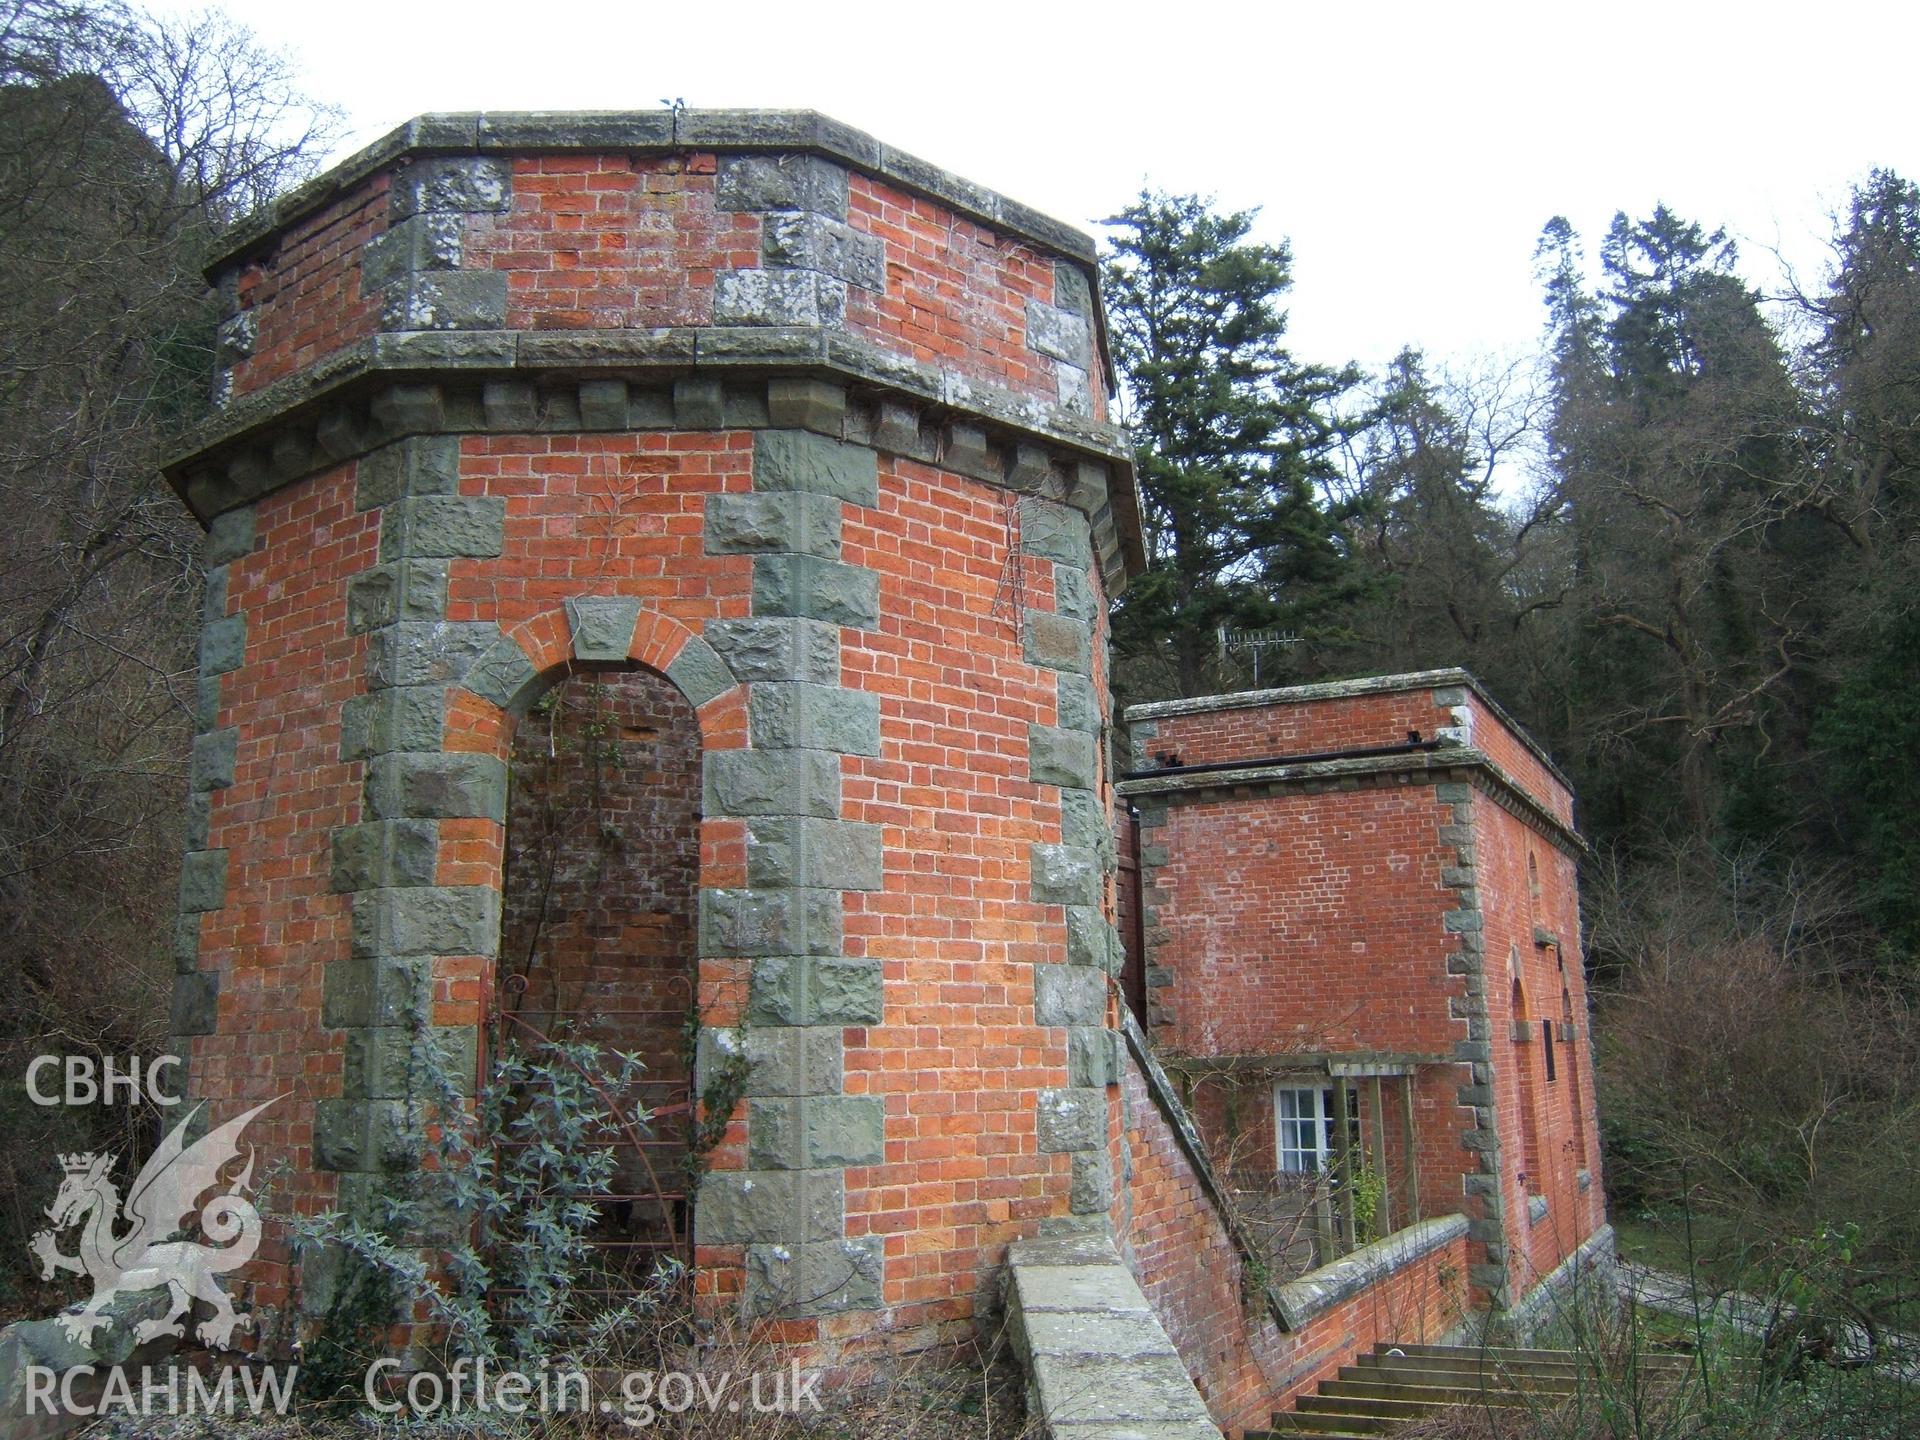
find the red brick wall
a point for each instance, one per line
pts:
(307, 296)
(956, 291)
(604, 514)
(613, 241)
(957, 1055)
(1294, 921)
(1566, 1141)
(1303, 922)
(282, 922)
(1257, 732)
(595, 241)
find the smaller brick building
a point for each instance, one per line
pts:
(1359, 938)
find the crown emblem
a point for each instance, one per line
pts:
(78, 1163)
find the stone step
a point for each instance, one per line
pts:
(1397, 1385)
(1307, 1422)
(1472, 1363)
(1474, 1380)
(1511, 1354)
(1427, 1394)
(1371, 1406)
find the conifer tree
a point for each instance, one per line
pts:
(1234, 440)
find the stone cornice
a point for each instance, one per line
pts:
(1447, 678)
(426, 382)
(1453, 762)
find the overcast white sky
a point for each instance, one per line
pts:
(1410, 152)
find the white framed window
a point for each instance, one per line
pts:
(1303, 1126)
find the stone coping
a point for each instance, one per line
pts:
(656, 132)
(1302, 1300)
(1433, 767)
(1595, 1258)
(1099, 1364)
(1344, 689)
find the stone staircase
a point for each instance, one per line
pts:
(1398, 1384)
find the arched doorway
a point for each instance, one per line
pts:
(599, 926)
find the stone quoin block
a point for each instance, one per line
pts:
(420, 242)
(377, 990)
(814, 717)
(775, 1206)
(1069, 995)
(230, 536)
(811, 241)
(1062, 334)
(1065, 875)
(446, 787)
(1056, 531)
(455, 184)
(430, 920)
(773, 524)
(403, 590)
(422, 465)
(195, 1003)
(447, 300)
(820, 1279)
(778, 649)
(784, 182)
(814, 1132)
(815, 990)
(385, 853)
(1058, 642)
(1092, 1188)
(223, 645)
(779, 297)
(203, 881)
(800, 460)
(436, 653)
(770, 922)
(772, 782)
(433, 526)
(828, 854)
(781, 1060)
(805, 586)
(1074, 1118)
(407, 717)
(1084, 823)
(214, 756)
(1061, 757)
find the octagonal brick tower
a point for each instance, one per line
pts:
(815, 431)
